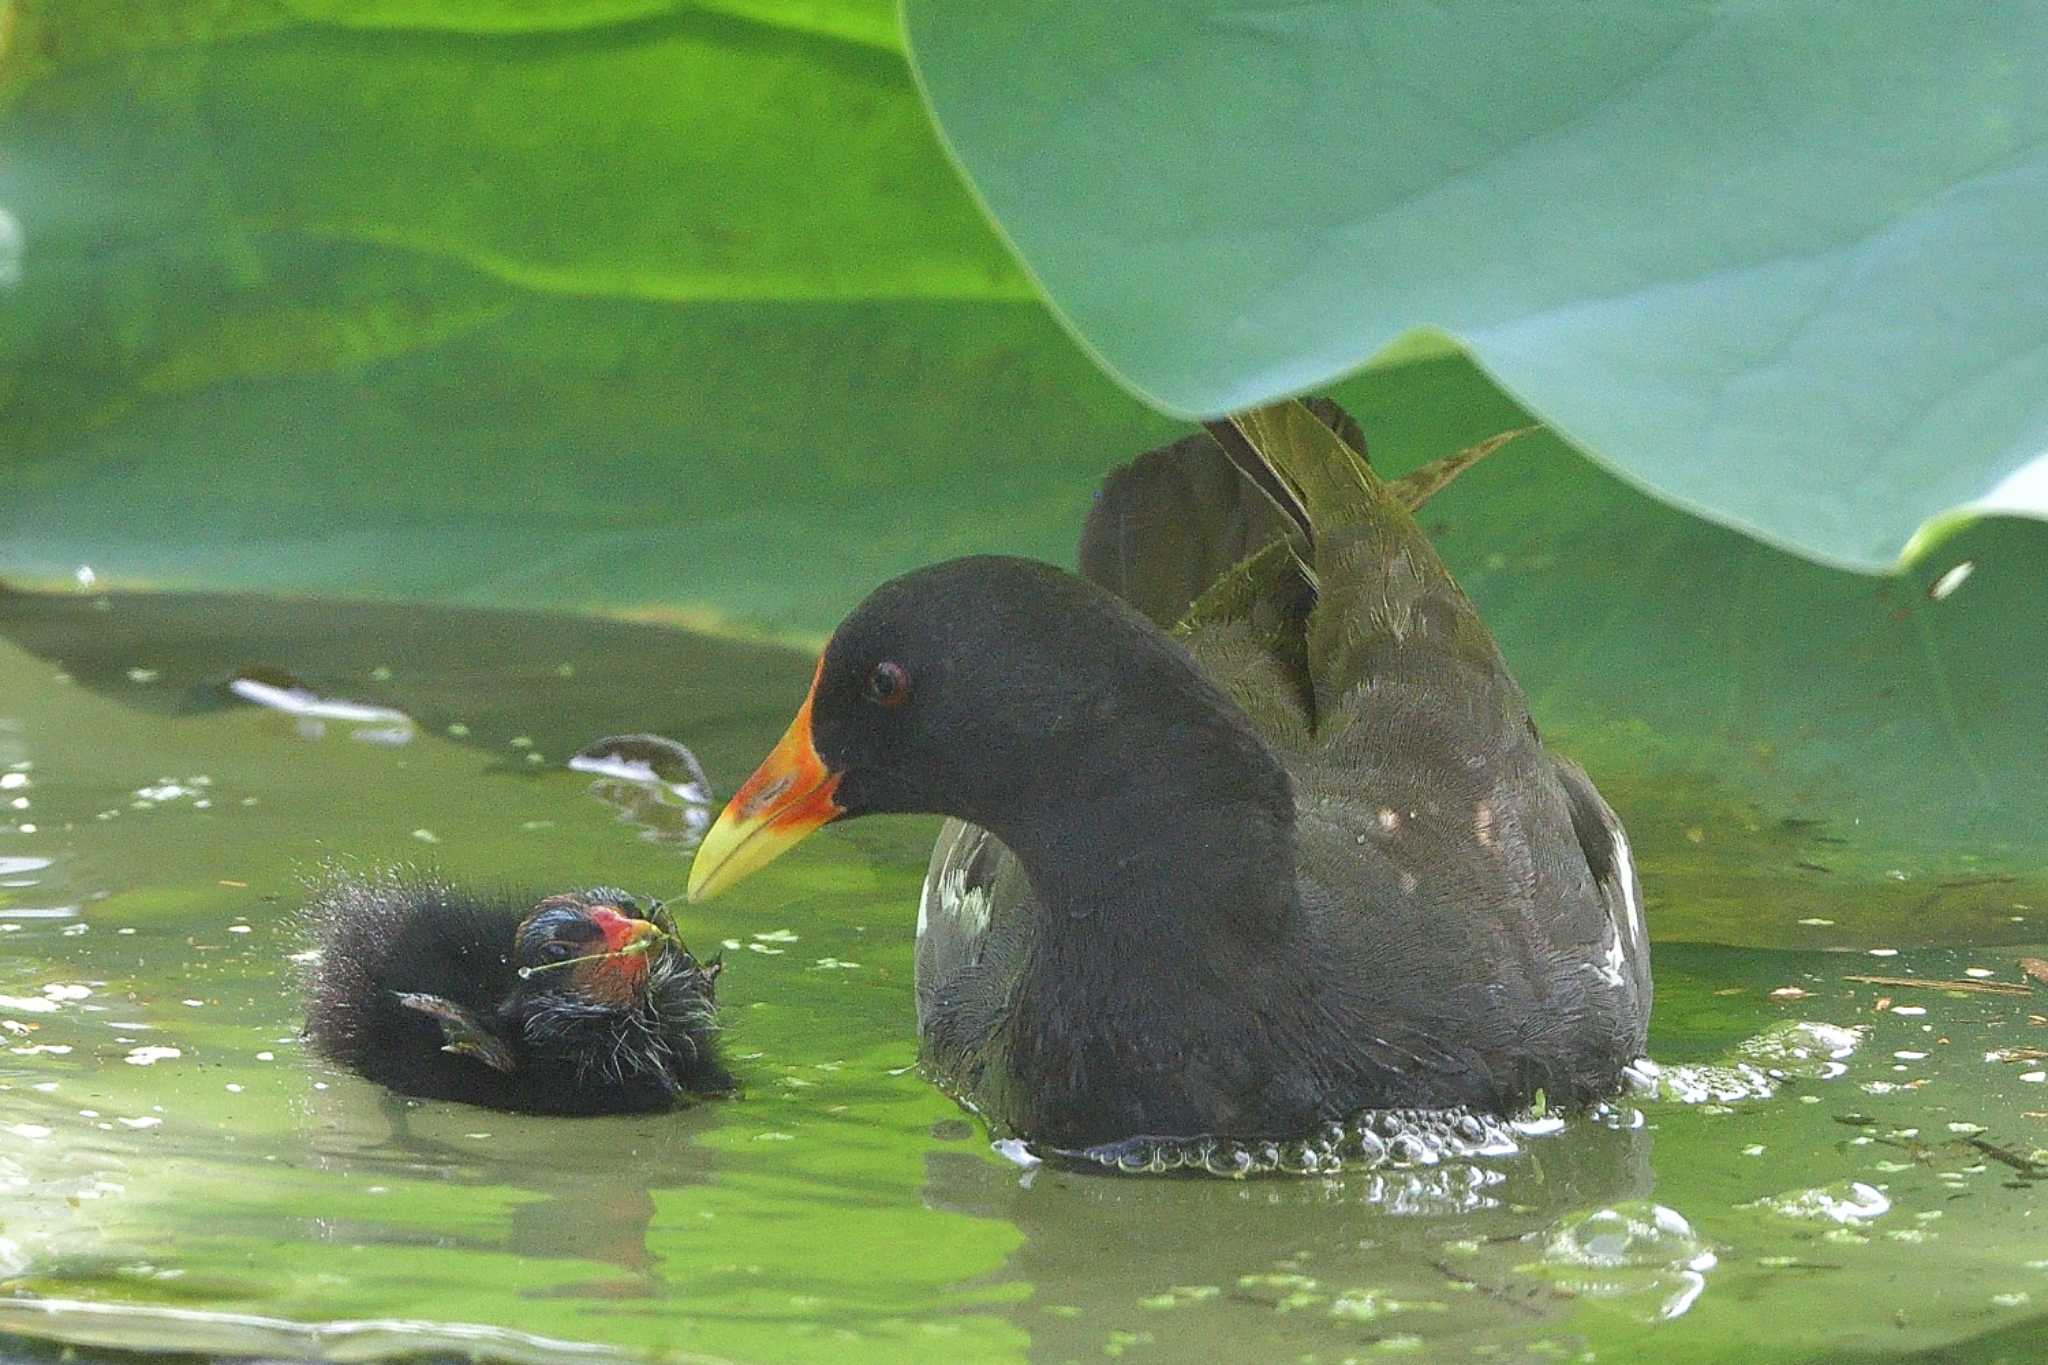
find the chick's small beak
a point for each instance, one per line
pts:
(623, 934)
(788, 796)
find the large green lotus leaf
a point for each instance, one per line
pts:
(1780, 264)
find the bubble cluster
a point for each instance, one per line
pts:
(1370, 1140)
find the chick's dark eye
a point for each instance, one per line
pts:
(888, 684)
(557, 951)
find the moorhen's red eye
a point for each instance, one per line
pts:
(888, 685)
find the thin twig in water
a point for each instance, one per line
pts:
(1494, 1292)
(1980, 987)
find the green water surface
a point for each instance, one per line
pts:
(176, 1172)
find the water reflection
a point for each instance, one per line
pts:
(482, 678)
(573, 1190)
(1270, 1268)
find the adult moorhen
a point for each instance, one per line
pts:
(1250, 834)
(583, 1003)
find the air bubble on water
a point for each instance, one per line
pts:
(1422, 1153)
(1637, 1254)
(652, 782)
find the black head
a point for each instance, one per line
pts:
(596, 945)
(1001, 691)
(606, 986)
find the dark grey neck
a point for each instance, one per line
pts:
(1192, 833)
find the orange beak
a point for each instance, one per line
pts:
(788, 796)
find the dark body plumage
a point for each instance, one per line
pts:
(1354, 879)
(417, 987)
(1251, 832)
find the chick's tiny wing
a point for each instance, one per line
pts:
(467, 1035)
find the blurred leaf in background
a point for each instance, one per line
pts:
(677, 310)
(1782, 264)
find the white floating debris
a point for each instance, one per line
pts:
(1543, 1127)
(1910, 1056)
(142, 675)
(1817, 923)
(150, 1056)
(1979, 972)
(1884, 952)
(13, 781)
(2034, 1077)
(1910, 1011)
(146, 1121)
(1843, 1203)
(1950, 581)
(776, 936)
(1014, 1151)
(29, 1004)
(297, 701)
(34, 1132)
(389, 735)
(426, 836)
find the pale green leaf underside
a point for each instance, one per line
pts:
(1782, 265)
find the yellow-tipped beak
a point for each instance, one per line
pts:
(788, 796)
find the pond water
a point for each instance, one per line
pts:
(177, 1173)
